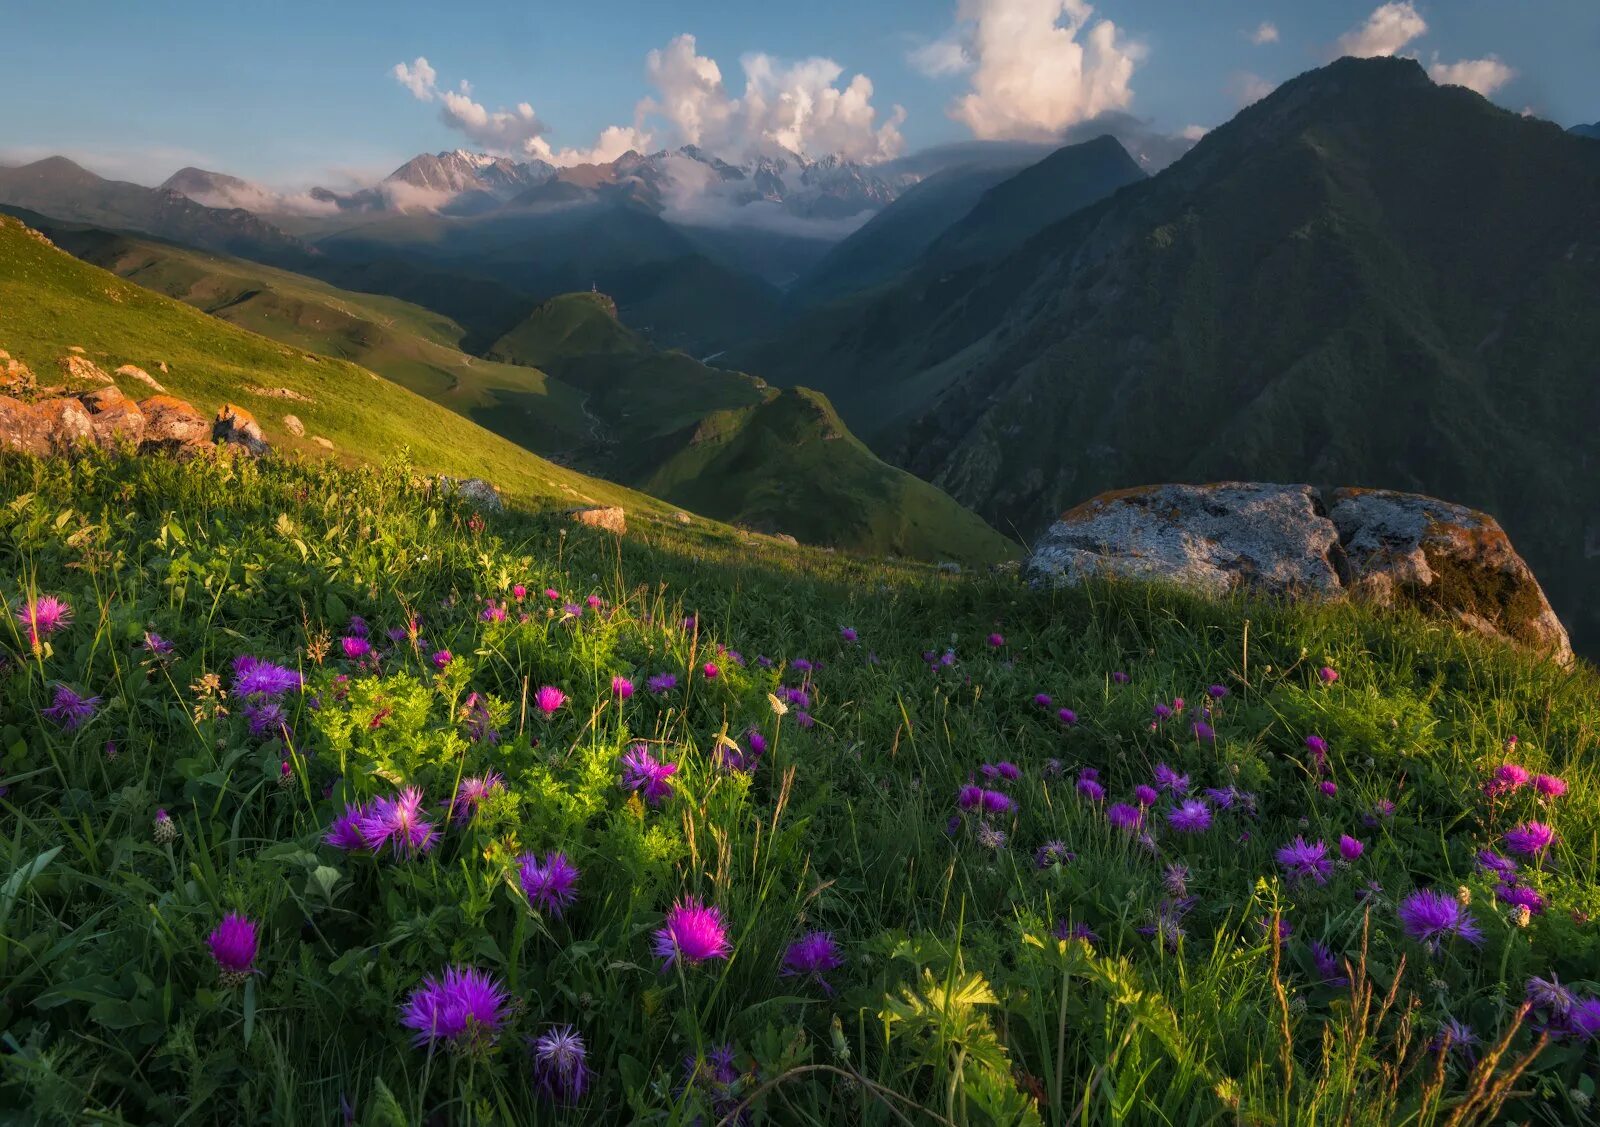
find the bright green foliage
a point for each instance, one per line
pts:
(955, 1002)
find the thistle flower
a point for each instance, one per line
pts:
(1508, 777)
(1549, 786)
(165, 830)
(265, 717)
(811, 956)
(1042, 700)
(1525, 898)
(355, 647)
(1217, 692)
(1190, 817)
(1203, 732)
(642, 771)
(1005, 769)
(560, 1064)
(1303, 860)
(398, 821)
(155, 645)
(44, 616)
(1430, 917)
(1169, 780)
(996, 802)
(1145, 795)
(441, 658)
(997, 640)
(1124, 817)
(474, 789)
(345, 832)
(1318, 747)
(1052, 853)
(1067, 716)
(69, 710)
(1459, 1037)
(1503, 867)
(1328, 787)
(1349, 848)
(1530, 839)
(990, 836)
(1120, 678)
(493, 612)
(1327, 965)
(710, 671)
(549, 700)
(551, 884)
(254, 677)
(662, 683)
(847, 634)
(1090, 788)
(621, 687)
(465, 1009)
(233, 946)
(692, 933)
(1327, 675)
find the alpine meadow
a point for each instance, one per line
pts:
(1013, 563)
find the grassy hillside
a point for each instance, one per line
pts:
(1013, 959)
(725, 444)
(50, 301)
(412, 346)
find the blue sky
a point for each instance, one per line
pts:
(294, 92)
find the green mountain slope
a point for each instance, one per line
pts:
(1363, 279)
(914, 330)
(1020, 206)
(50, 301)
(725, 444)
(412, 346)
(891, 241)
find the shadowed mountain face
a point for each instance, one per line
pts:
(1592, 131)
(1363, 278)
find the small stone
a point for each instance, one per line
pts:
(234, 426)
(681, 518)
(294, 426)
(610, 518)
(475, 491)
(144, 377)
(76, 367)
(322, 442)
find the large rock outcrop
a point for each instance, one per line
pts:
(1295, 541)
(107, 418)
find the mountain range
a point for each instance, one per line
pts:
(1364, 277)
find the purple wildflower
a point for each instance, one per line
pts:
(549, 700)
(811, 956)
(1124, 817)
(997, 640)
(1145, 795)
(1503, 867)
(1190, 817)
(1090, 788)
(44, 616)
(474, 789)
(1550, 786)
(551, 884)
(1067, 716)
(345, 832)
(1217, 692)
(1349, 848)
(1327, 675)
(1168, 779)
(1328, 966)
(252, 676)
(155, 645)
(233, 945)
(70, 710)
(441, 658)
(398, 821)
(621, 687)
(1516, 897)
(560, 1064)
(692, 933)
(1430, 917)
(662, 683)
(1530, 839)
(265, 717)
(847, 634)
(1303, 860)
(1119, 677)
(1508, 777)
(1067, 932)
(355, 647)
(465, 1009)
(1042, 700)
(643, 771)
(1052, 853)
(1204, 732)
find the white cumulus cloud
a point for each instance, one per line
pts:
(1036, 67)
(1266, 32)
(1484, 75)
(800, 106)
(1387, 31)
(417, 77)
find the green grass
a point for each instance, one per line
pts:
(954, 1002)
